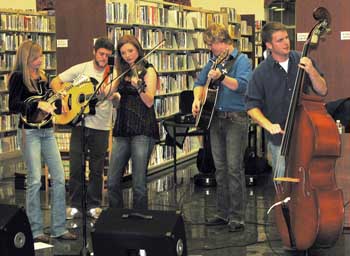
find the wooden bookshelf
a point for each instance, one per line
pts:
(247, 40)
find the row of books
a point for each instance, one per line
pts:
(156, 14)
(174, 40)
(233, 17)
(166, 106)
(117, 12)
(10, 42)
(63, 139)
(23, 22)
(8, 122)
(3, 82)
(245, 28)
(115, 33)
(169, 61)
(7, 192)
(173, 83)
(8, 144)
(7, 61)
(8, 168)
(246, 45)
(4, 99)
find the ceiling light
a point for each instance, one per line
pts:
(279, 9)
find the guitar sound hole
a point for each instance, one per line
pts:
(81, 98)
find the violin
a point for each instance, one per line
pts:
(139, 71)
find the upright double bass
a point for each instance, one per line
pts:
(310, 207)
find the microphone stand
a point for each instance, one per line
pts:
(84, 250)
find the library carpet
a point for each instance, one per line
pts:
(259, 238)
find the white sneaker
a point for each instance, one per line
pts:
(72, 213)
(95, 212)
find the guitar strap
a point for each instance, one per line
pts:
(228, 65)
(230, 62)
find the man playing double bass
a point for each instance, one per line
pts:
(270, 89)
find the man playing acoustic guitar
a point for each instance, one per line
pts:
(229, 124)
(97, 129)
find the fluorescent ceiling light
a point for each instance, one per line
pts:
(279, 9)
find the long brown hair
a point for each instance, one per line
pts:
(27, 52)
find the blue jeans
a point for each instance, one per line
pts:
(96, 145)
(276, 160)
(139, 148)
(37, 144)
(228, 137)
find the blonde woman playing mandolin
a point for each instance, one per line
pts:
(27, 79)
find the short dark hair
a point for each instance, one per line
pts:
(103, 42)
(270, 28)
(217, 33)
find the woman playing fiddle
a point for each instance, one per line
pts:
(135, 130)
(26, 80)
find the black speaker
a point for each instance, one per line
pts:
(124, 232)
(16, 237)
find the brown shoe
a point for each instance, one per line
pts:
(68, 236)
(42, 238)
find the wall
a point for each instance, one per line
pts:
(332, 53)
(18, 4)
(242, 6)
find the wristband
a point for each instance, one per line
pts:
(221, 78)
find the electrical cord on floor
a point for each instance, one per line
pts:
(227, 246)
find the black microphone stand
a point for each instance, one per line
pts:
(81, 117)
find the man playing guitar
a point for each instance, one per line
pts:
(97, 129)
(228, 129)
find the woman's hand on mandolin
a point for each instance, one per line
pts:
(46, 107)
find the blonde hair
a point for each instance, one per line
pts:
(217, 33)
(27, 52)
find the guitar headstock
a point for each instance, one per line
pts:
(221, 57)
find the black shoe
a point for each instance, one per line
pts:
(215, 221)
(235, 227)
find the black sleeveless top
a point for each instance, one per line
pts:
(133, 116)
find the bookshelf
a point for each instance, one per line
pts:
(247, 40)
(15, 27)
(259, 47)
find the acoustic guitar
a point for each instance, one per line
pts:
(77, 97)
(210, 94)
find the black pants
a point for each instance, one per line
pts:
(96, 144)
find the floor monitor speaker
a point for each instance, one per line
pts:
(16, 237)
(125, 232)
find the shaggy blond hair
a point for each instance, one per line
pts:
(27, 52)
